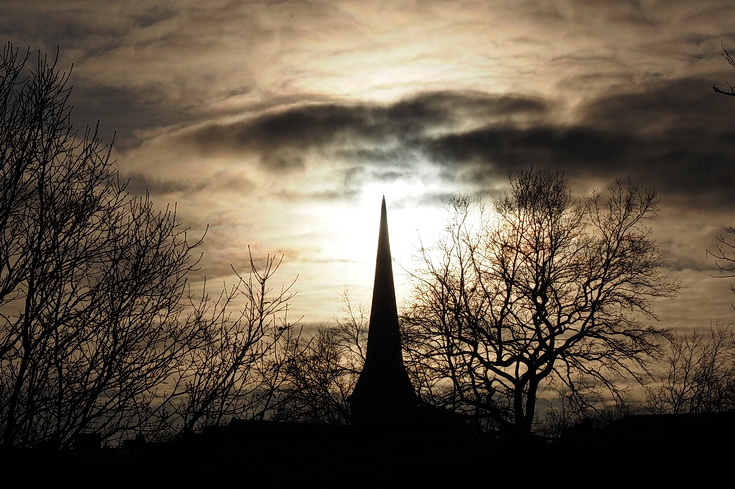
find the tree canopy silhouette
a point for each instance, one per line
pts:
(546, 288)
(99, 330)
(91, 276)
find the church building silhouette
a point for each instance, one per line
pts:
(383, 397)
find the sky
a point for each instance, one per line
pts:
(281, 124)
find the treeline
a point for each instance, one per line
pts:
(526, 318)
(100, 329)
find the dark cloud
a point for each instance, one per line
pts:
(282, 139)
(685, 166)
(675, 136)
(361, 132)
(688, 103)
(445, 108)
(681, 137)
(508, 147)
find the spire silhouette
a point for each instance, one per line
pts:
(383, 395)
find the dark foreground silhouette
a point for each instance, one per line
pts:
(395, 442)
(636, 449)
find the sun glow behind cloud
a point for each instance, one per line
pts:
(411, 222)
(282, 124)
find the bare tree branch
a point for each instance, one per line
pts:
(728, 57)
(547, 288)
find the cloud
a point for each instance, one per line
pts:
(262, 118)
(323, 151)
(326, 126)
(683, 137)
(674, 136)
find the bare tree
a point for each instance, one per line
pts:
(231, 373)
(697, 374)
(99, 329)
(322, 369)
(546, 287)
(91, 278)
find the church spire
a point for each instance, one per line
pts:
(383, 394)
